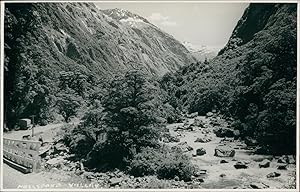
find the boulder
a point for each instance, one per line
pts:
(209, 114)
(55, 161)
(224, 132)
(240, 165)
(192, 115)
(201, 151)
(165, 140)
(183, 146)
(250, 141)
(198, 123)
(58, 147)
(223, 175)
(227, 140)
(200, 173)
(282, 159)
(224, 151)
(115, 181)
(291, 159)
(236, 134)
(223, 161)
(264, 164)
(258, 186)
(215, 122)
(202, 140)
(273, 174)
(282, 167)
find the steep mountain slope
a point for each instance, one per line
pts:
(42, 40)
(253, 79)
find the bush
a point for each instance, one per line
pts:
(74, 137)
(163, 162)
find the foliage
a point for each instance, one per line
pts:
(27, 80)
(68, 103)
(254, 82)
(131, 119)
(163, 162)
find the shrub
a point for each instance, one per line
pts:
(74, 137)
(163, 162)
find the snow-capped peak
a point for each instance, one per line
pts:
(125, 16)
(201, 52)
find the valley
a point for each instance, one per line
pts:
(115, 102)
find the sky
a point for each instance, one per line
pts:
(209, 24)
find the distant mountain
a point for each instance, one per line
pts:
(201, 52)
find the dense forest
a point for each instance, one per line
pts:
(252, 82)
(253, 79)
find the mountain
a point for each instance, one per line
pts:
(47, 43)
(201, 52)
(252, 80)
(103, 41)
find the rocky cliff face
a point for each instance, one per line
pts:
(79, 34)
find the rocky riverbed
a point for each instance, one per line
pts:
(223, 161)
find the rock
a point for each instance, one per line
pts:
(198, 123)
(222, 175)
(55, 161)
(209, 114)
(291, 159)
(264, 164)
(224, 132)
(201, 151)
(273, 174)
(202, 140)
(47, 157)
(282, 160)
(240, 165)
(214, 122)
(183, 146)
(58, 147)
(115, 181)
(192, 115)
(227, 139)
(258, 186)
(250, 142)
(201, 180)
(200, 173)
(236, 134)
(88, 175)
(224, 151)
(190, 128)
(282, 167)
(223, 161)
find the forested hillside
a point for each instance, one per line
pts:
(252, 80)
(59, 52)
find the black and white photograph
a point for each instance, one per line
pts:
(140, 95)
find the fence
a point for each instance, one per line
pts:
(22, 154)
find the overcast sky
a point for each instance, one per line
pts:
(209, 24)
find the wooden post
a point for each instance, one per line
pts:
(32, 129)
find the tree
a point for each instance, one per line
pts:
(68, 103)
(131, 118)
